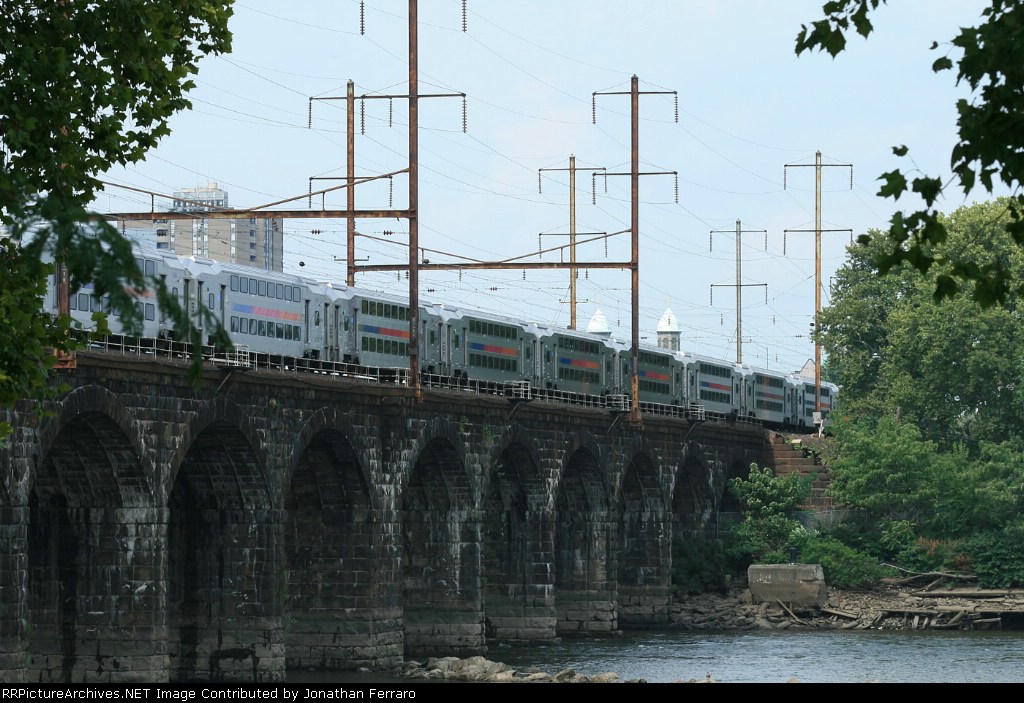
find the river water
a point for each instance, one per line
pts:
(863, 656)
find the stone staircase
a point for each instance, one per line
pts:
(802, 454)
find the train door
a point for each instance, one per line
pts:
(444, 359)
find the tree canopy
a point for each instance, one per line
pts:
(989, 58)
(84, 86)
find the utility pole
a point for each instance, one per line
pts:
(817, 259)
(634, 263)
(739, 284)
(572, 228)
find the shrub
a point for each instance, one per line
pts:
(698, 566)
(844, 566)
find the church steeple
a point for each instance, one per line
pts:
(669, 331)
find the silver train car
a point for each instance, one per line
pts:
(294, 317)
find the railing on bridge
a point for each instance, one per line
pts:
(242, 357)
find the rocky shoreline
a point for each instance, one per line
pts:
(884, 608)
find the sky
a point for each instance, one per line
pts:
(748, 106)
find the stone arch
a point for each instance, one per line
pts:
(225, 555)
(692, 498)
(645, 547)
(441, 553)
(516, 595)
(585, 549)
(94, 540)
(333, 555)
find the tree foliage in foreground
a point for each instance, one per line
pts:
(989, 58)
(927, 445)
(84, 86)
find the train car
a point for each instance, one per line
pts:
(261, 310)
(572, 361)
(713, 383)
(380, 325)
(660, 376)
(768, 396)
(805, 399)
(489, 348)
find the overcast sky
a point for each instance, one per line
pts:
(747, 106)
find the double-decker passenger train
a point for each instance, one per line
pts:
(324, 326)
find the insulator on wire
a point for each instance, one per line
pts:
(586, 274)
(398, 275)
(605, 174)
(851, 178)
(465, 115)
(606, 247)
(391, 190)
(540, 245)
(524, 274)
(783, 243)
(310, 205)
(310, 120)
(391, 112)
(677, 187)
(676, 96)
(593, 189)
(460, 275)
(362, 117)
(362, 17)
(593, 108)
(540, 188)
(783, 178)
(463, 16)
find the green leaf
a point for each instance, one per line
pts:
(894, 184)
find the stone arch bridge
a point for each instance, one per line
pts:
(158, 530)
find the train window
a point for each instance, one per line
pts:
(345, 324)
(288, 332)
(150, 268)
(95, 304)
(74, 302)
(387, 310)
(261, 327)
(296, 332)
(316, 318)
(212, 304)
(280, 330)
(403, 313)
(234, 283)
(174, 291)
(296, 293)
(528, 353)
(234, 324)
(138, 308)
(271, 290)
(150, 311)
(262, 288)
(433, 337)
(455, 341)
(252, 286)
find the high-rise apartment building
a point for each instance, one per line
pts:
(252, 241)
